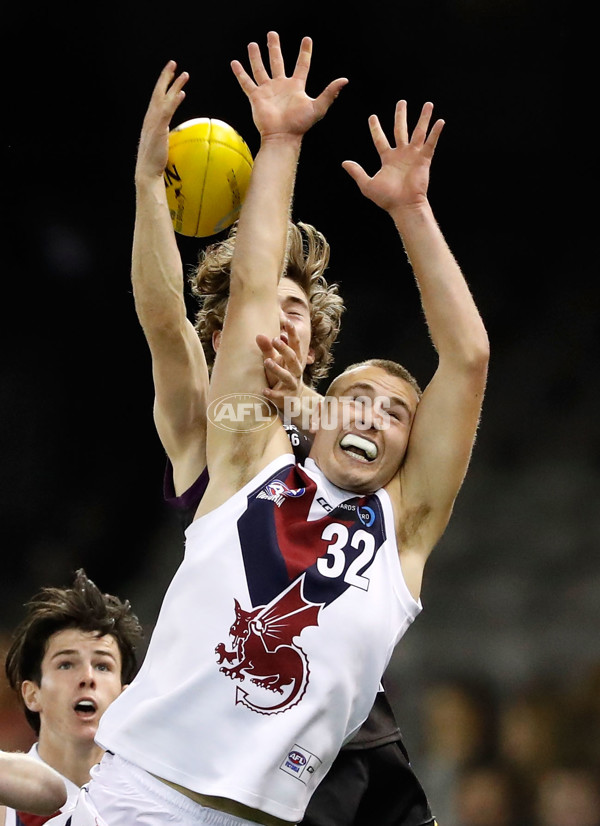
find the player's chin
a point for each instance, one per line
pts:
(358, 478)
(371, 477)
(85, 731)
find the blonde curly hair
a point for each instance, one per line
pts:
(307, 258)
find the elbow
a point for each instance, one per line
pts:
(60, 793)
(476, 349)
(58, 798)
(472, 357)
(480, 356)
(476, 366)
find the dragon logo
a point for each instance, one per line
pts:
(263, 649)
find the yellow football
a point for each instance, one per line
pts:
(207, 176)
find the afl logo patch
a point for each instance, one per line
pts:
(300, 763)
(296, 758)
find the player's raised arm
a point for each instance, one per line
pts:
(447, 416)
(178, 364)
(283, 113)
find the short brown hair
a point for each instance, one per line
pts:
(306, 261)
(80, 606)
(391, 367)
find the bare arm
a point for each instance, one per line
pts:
(447, 416)
(29, 786)
(178, 364)
(283, 113)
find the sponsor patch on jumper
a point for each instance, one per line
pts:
(300, 763)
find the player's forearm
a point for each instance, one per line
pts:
(262, 233)
(156, 270)
(29, 785)
(454, 322)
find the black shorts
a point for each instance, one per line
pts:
(369, 787)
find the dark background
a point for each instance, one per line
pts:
(513, 589)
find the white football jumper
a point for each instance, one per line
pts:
(270, 644)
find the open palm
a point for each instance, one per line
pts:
(404, 175)
(280, 103)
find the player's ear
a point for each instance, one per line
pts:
(216, 339)
(30, 693)
(310, 358)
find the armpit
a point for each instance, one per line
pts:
(411, 523)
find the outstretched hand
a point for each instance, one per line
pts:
(279, 103)
(153, 147)
(404, 175)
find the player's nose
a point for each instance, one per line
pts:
(87, 675)
(284, 324)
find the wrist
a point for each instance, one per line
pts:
(413, 213)
(146, 181)
(283, 139)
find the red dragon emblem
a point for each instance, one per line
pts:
(263, 649)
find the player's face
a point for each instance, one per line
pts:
(81, 676)
(294, 307)
(365, 448)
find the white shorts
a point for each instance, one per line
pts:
(121, 794)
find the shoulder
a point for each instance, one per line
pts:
(233, 485)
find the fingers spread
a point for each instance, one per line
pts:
(400, 126)
(304, 57)
(328, 95)
(420, 132)
(256, 64)
(289, 356)
(380, 141)
(165, 85)
(433, 137)
(243, 78)
(277, 374)
(356, 172)
(275, 56)
(166, 76)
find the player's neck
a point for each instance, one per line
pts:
(72, 759)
